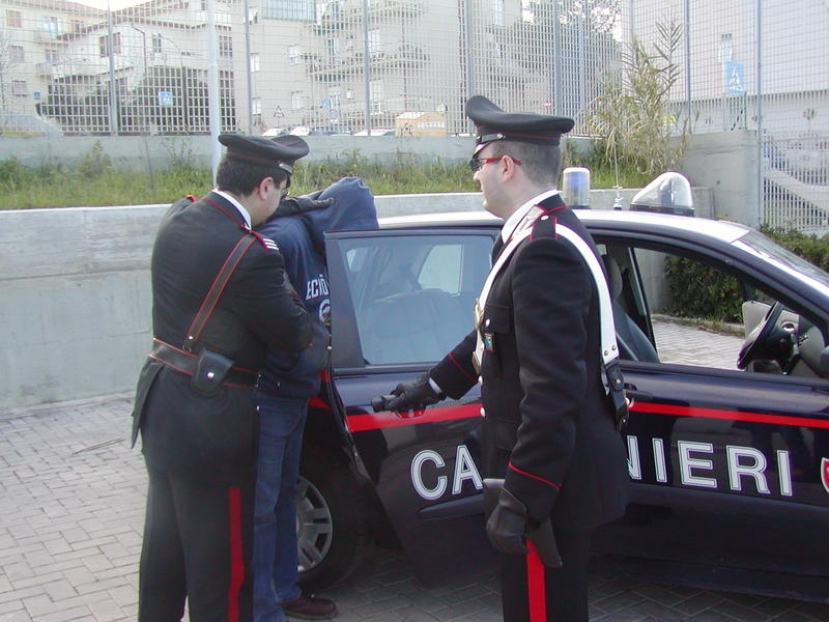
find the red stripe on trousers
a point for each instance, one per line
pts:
(536, 591)
(237, 563)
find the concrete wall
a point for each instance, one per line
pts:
(75, 302)
(727, 164)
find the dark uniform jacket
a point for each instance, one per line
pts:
(183, 427)
(549, 427)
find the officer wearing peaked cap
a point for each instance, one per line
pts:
(554, 461)
(220, 300)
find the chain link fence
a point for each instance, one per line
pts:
(405, 67)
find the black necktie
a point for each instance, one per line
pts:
(496, 248)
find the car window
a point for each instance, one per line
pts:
(659, 295)
(413, 294)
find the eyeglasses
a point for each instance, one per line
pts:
(477, 164)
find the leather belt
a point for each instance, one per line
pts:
(185, 362)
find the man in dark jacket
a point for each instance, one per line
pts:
(549, 427)
(289, 380)
(195, 405)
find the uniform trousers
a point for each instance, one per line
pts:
(562, 592)
(198, 539)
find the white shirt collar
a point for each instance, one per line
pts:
(518, 215)
(245, 214)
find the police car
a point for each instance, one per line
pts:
(729, 461)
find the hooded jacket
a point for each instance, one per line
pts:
(301, 240)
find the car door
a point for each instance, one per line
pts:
(727, 465)
(401, 299)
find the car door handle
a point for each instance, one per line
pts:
(638, 396)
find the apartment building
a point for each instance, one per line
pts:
(330, 67)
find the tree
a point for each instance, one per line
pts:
(633, 115)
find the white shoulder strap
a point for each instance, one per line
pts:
(610, 349)
(609, 346)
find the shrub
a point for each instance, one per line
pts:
(698, 291)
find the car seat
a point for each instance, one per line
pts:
(633, 343)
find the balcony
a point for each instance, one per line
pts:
(350, 12)
(82, 67)
(395, 8)
(46, 70)
(352, 63)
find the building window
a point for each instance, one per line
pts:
(254, 63)
(225, 46)
(20, 88)
(158, 46)
(289, 10)
(294, 55)
(16, 54)
(103, 47)
(726, 49)
(375, 93)
(297, 100)
(14, 19)
(50, 27)
(498, 12)
(374, 42)
(52, 57)
(77, 26)
(333, 48)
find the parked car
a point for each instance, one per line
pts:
(729, 466)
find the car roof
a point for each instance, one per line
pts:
(689, 230)
(683, 226)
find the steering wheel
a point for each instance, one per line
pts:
(757, 342)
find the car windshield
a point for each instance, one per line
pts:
(759, 245)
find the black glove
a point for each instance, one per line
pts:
(415, 394)
(289, 206)
(508, 526)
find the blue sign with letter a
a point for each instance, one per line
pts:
(733, 78)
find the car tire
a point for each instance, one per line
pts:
(331, 521)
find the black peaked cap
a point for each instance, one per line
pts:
(492, 123)
(281, 151)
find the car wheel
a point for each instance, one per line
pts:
(331, 525)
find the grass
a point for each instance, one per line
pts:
(94, 182)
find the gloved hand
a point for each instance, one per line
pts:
(414, 394)
(290, 206)
(508, 526)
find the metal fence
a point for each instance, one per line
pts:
(757, 65)
(169, 67)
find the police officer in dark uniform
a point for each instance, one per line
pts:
(549, 429)
(195, 404)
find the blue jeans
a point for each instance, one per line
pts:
(281, 423)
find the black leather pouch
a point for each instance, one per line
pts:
(210, 372)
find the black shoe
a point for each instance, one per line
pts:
(310, 607)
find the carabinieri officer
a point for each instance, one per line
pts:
(549, 427)
(219, 302)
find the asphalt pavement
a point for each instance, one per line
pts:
(72, 498)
